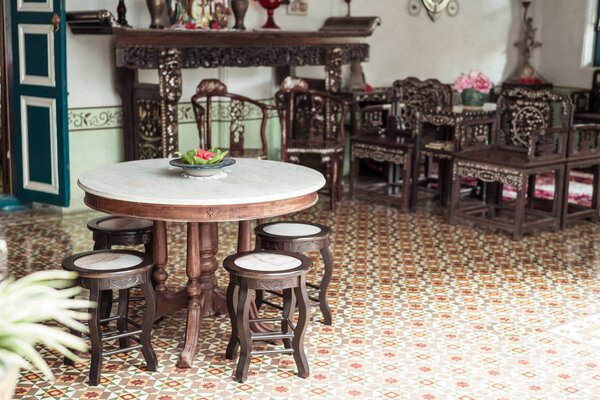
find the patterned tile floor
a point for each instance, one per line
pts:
(422, 310)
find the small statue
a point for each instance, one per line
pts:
(178, 13)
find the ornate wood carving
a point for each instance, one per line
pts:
(147, 57)
(122, 283)
(278, 284)
(379, 153)
(169, 71)
(488, 173)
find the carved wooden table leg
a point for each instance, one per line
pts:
(167, 301)
(194, 315)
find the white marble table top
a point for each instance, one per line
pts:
(156, 182)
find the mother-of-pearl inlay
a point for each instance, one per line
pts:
(268, 262)
(156, 182)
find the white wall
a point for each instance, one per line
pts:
(481, 36)
(567, 41)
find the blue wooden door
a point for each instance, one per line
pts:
(40, 137)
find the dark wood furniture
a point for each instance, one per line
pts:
(394, 141)
(587, 102)
(267, 193)
(170, 51)
(298, 237)
(453, 131)
(583, 153)
(121, 270)
(267, 270)
(111, 231)
(209, 91)
(312, 125)
(530, 138)
(358, 99)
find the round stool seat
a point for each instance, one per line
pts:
(256, 264)
(102, 262)
(293, 229)
(120, 224)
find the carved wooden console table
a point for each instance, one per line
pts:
(170, 51)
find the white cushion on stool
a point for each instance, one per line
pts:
(267, 262)
(291, 229)
(107, 261)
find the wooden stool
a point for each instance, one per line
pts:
(112, 231)
(120, 270)
(271, 270)
(298, 237)
(119, 231)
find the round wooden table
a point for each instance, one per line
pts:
(152, 189)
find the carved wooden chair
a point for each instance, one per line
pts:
(204, 106)
(583, 154)
(312, 124)
(530, 138)
(393, 141)
(587, 102)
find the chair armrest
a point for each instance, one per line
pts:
(584, 140)
(548, 143)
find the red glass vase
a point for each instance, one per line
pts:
(270, 6)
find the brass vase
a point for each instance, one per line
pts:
(239, 8)
(157, 8)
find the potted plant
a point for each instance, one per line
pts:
(24, 305)
(473, 88)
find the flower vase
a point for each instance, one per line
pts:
(473, 99)
(270, 6)
(239, 8)
(157, 8)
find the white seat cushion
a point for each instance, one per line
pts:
(291, 229)
(107, 261)
(267, 262)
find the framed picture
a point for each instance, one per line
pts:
(297, 7)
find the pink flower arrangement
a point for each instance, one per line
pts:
(475, 80)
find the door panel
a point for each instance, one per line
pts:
(40, 108)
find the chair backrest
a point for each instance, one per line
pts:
(309, 118)
(203, 102)
(412, 94)
(535, 121)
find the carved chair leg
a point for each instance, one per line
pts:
(353, 173)
(519, 211)
(244, 334)
(564, 218)
(595, 193)
(149, 314)
(323, 306)
(560, 200)
(531, 191)
(300, 330)
(406, 186)
(95, 335)
(231, 352)
(454, 197)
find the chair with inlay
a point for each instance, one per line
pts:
(273, 270)
(241, 143)
(312, 131)
(121, 270)
(298, 237)
(111, 231)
